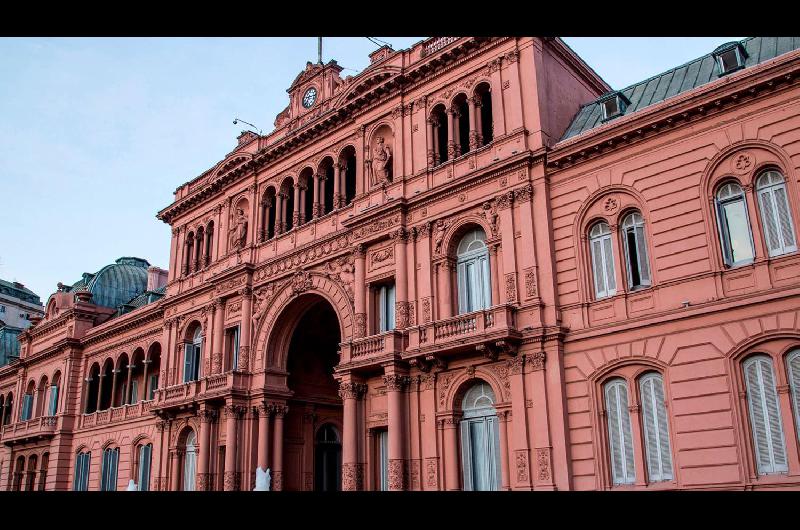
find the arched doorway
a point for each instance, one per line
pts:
(315, 409)
(480, 440)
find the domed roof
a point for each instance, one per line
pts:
(116, 284)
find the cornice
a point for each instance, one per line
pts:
(684, 109)
(116, 326)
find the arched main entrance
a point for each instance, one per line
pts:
(314, 420)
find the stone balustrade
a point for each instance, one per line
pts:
(36, 427)
(115, 414)
(496, 323)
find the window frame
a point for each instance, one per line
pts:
(385, 298)
(109, 466)
(772, 189)
(776, 469)
(629, 471)
(80, 481)
(642, 380)
(473, 275)
(602, 238)
(643, 262)
(724, 234)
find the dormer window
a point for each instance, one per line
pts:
(613, 105)
(730, 57)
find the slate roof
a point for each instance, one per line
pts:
(9, 345)
(147, 297)
(115, 284)
(691, 75)
(23, 293)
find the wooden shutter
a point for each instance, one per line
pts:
(608, 259)
(487, 283)
(597, 264)
(188, 355)
(770, 221)
(784, 218)
(466, 456)
(87, 459)
(654, 416)
(793, 361)
(53, 407)
(76, 480)
(765, 418)
(463, 302)
(641, 252)
(145, 456)
(390, 301)
(619, 433)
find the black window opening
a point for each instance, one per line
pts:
(730, 57)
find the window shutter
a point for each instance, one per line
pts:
(145, 454)
(134, 392)
(235, 348)
(764, 416)
(390, 302)
(641, 250)
(494, 453)
(608, 258)
(768, 216)
(383, 460)
(619, 430)
(654, 413)
(53, 408)
(87, 459)
(472, 285)
(599, 276)
(188, 355)
(785, 218)
(793, 360)
(466, 456)
(76, 480)
(487, 283)
(153, 385)
(663, 429)
(463, 304)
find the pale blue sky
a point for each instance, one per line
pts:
(96, 134)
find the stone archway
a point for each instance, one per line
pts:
(306, 339)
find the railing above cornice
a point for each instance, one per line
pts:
(434, 44)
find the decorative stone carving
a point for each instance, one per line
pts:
(380, 163)
(505, 201)
(742, 163)
(536, 360)
(244, 358)
(511, 287)
(350, 390)
(490, 212)
(260, 298)
(523, 194)
(301, 281)
(611, 205)
(360, 325)
(352, 477)
(396, 383)
(521, 459)
(432, 472)
(231, 481)
(531, 290)
(238, 231)
(426, 310)
(382, 255)
(543, 464)
(401, 315)
(441, 227)
(342, 270)
(396, 474)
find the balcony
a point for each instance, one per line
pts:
(37, 428)
(373, 349)
(463, 331)
(115, 414)
(212, 386)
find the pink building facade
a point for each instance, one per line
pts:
(472, 266)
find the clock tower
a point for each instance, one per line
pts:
(311, 90)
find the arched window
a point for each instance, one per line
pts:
(474, 280)
(30, 473)
(605, 280)
(8, 409)
(485, 125)
(145, 457)
(620, 440)
(209, 242)
(656, 431)
(438, 127)
(43, 471)
(2, 410)
(480, 440)
(349, 170)
(19, 474)
(765, 416)
(81, 479)
(636, 251)
(192, 356)
(328, 456)
(793, 363)
(775, 214)
(734, 225)
(26, 412)
(52, 406)
(190, 463)
(108, 469)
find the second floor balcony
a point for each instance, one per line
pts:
(115, 414)
(209, 387)
(34, 429)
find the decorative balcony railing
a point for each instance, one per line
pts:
(42, 426)
(435, 44)
(115, 414)
(495, 322)
(209, 386)
(372, 348)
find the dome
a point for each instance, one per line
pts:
(116, 284)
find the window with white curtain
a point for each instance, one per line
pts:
(385, 299)
(776, 217)
(734, 225)
(191, 357)
(620, 439)
(108, 469)
(52, 407)
(765, 415)
(474, 280)
(145, 459)
(480, 440)
(605, 281)
(190, 463)
(636, 251)
(656, 430)
(382, 441)
(81, 478)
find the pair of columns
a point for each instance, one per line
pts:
(455, 148)
(197, 253)
(276, 413)
(218, 329)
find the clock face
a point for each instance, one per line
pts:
(309, 97)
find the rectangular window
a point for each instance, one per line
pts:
(108, 471)
(382, 450)
(765, 417)
(191, 362)
(736, 231)
(620, 439)
(81, 479)
(385, 298)
(145, 458)
(232, 347)
(134, 392)
(27, 407)
(151, 392)
(52, 408)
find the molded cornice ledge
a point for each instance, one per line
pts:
(691, 106)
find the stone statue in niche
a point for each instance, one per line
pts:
(238, 232)
(381, 162)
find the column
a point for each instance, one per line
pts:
(203, 474)
(458, 148)
(114, 373)
(400, 237)
(231, 470)
(244, 331)
(430, 142)
(452, 464)
(218, 319)
(277, 448)
(473, 133)
(502, 417)
(127, 398)
(175, 478)
(280, 212)
(478, 120)
(100, 377)
(198, 250)
(263, 436)
(352, 470)
(145, 382)
(505, 212)
(451, 145)
(395, 384)
(296, 216)
(262, 233)
(360, 292)
(338, 200)
(84, 400)
(319, 194)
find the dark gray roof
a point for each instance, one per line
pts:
(9, 344)
(147, 297)
(115, 284)
(18, 290)
(685, 77)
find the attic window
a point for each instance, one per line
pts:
(730, 57)
(613, 105)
